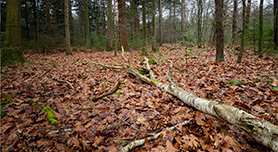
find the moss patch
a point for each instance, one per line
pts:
(50, 116)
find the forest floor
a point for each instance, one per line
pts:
(100, 125)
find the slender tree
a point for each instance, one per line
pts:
(56, 29)
(219, 31)
(122, 24)
(248, 8)
(154, 47)
(12, 33)
(71, 24)
(26, 18)
(276, 24)
(234, 41)
(183, 20)
(67, 30)
(160, 23)
(261, 26)
(48, 21)
(144, 51)
(88, 41)
(36, 19)
(136, 24)
(199, 24)
(115, 29)
(109, 26)
(242, 33)
(103, 17)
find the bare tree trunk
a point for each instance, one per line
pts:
(55, 18)
(48, 21)
(248, 8)
(183, 21)
(175, 26)
(67, 30)
(36, 23)
(154, 48)
(144, 51)
(109, 26)
(199, 26)
(103, 18)
(242, 33)
(122, 24)
(261, 26)
(235, 23)
(26, 19)
(136, 24)
(219, 31)
(71, 24)
(160, 23)
(87, 24)
(115, 29)
(276, 24)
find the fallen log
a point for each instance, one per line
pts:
(262, 131)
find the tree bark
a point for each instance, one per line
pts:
(160, 23)
(87, 24)
(219, 31)
(242, 33)
(36, 20)
(12, 33)
(276, 24)
(26, 19)
(115, 29)
(261, 26)
(183, 21)
(154, 47)
(144, 51)
(136, 24)
(122, 24)
(103, 18)
(67, 30)
(48, 21)
(109, 26)
(56, 29)
(71, 24)
(234, 41)
(199, 24)
(248, 8)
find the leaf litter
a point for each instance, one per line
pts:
(85, 125)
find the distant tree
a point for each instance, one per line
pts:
(26, 18)
(183, 20)
(109, 26)
(239, 58)
(67, 30)
(136, 24)
(276, 23)
(87, 25)
(71, 24)
(115, 29)
(154, 47)
(160, 23)
(36, 19)
(248, 8)
(103, 17)
(199, 24)
(219, 31)
(144, 51)
(56, 28)
(261, 26)
(122, 24)
(234, 41)
(11, 50)
(48, 21)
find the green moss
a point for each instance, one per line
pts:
(153, 80)
(152, 61)
(50, 116)
(118, 92)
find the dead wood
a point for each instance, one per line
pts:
(262, 131)
(108, 93)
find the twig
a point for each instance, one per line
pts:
(131, 138)
(108, 93)
(142, 141)
(263, 52)
(123, 51)
(109, 66)
(169, 74)
(127, 123)
(65, 81)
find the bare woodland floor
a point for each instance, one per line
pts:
(250, 86)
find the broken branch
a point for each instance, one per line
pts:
(108, 93)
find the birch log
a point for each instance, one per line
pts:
(262, 131)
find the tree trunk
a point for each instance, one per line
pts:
(235, 23)
(261, 26)
(12, 33)
(67, 30)
(115, 29)
(136, 24)
(71, 24)
(103, 18)
(242, 33)
(144, 51)
(154, 48)
(109, 26)
(26, 19)
(56, 29)
(174, 22)
(199, 26)
(248, 8)
(183, 21)
(219, 31)
(160, 23)
(276, 24)
(88, 40)
(48, 21)
(36, 23)
(122, 24)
